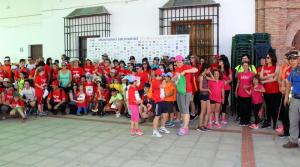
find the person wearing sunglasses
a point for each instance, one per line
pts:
(269, 78)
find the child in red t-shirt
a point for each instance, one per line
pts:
(81, 101)
(134, 100)
(18, 106)
(40, 83)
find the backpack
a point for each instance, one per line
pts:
(181, 85)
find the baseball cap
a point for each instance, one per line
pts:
(131, 78)
(6, 80)
(169, 74)
(179, 58)
(54, 83)
(7, 58)
(158, 72)
(292, 54)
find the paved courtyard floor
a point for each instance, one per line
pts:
(90, 141)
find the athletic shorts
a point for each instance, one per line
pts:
(214, 102)
(204, 97)
(168, 107)
(158, 108)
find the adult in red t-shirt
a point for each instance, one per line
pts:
(143, 78)
(269, 78)
(56, 99)
(183, 100)
(88, 67)
(76, 71)
(195, 82)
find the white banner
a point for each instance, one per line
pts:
(122, 48)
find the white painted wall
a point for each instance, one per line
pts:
(27, 22)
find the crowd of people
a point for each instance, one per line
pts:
(167, 91)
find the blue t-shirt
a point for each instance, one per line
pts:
(294, 78)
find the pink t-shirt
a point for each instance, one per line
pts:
(227, 78)
(245, 79)
(257, 97)
(216, 90)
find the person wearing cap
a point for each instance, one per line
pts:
(170, 98)
(158, 95)
(18, 106)
(3, 74)
(155, 63)
(6, 67)
(56, 99)
(134, 100)
(183, 100)
(293, 99)
(142, 78)
(115, 104)
(132, 60)
(76, 71)
(7, 97)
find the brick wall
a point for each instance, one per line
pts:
(281, 19)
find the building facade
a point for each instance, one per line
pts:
(280, 18)
(38, 27)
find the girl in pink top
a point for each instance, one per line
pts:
(216, 97)
(257, 99)
(244, 99)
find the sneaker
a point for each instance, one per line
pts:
(164, 130)
(170, 125)
(139, 132)
(206, 128)
(193, 117)
(266, 125)
(183, 132)
(253, 126)
(201, 129)
(283, 136)
(176, 121)
(218, 125)
(224, 122)
(209, 125)
(132, 132)
(118, 115)
(156, 134)
(290, 145)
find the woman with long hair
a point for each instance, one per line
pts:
(226, 74)
(269, 78)
(194, 103)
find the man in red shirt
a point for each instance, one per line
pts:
(21, 69)
(183, 100)
(56, 99)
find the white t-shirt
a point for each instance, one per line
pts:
(30, 66)
(29, 93)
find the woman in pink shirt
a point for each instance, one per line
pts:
(257, 99)
(216, 97)
(244, 99)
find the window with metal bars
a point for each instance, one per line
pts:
(201, 22)
(82, 24)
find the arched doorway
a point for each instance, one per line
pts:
(296, 41)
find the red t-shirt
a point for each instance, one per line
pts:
(257, 97)
(89, 69)
(57, 95)
(156, 90)
(104, 94)
(122, 71)
(76, 72)
(216, 90)
(227, 78)
(20, 70)
(131, 95)
(54, 74)
(40, 80)
(89, 88)
(8, 96)
(3, 75)
(47, 70)
(272, 87)
(81, 99)
(18, 103)
(245, 79)
(188, 77)
(143, 79)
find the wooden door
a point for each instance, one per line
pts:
(201, 35)
(36, 51)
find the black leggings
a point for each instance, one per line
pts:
(272, 104)
(284, 116)
(244, 109)
(226, 102)
(256, 108)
